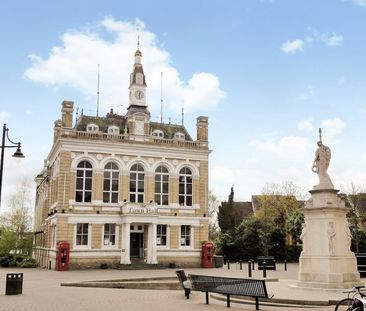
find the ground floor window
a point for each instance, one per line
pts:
(82, 231)
(161, 235)
(109, 234)
(185, 235)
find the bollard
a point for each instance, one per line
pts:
(274, 262)
(264, 269)
(241, 264)
(285, 262)
(249, 269)
(253, 268)
(228, 264)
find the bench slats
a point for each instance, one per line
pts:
(232, 286)
(229, 286)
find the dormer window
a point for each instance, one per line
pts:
(158, 133)
(93, 128)
(113, 130)
(179, 136)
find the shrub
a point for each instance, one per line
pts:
(8, 261)
(28, 262)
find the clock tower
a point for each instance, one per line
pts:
(137, 83)
(138, 116)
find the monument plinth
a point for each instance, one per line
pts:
(326, 260)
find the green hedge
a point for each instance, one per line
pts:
(20, 261)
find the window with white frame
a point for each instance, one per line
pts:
(158, 133)
(82, 231)
(161, 235)
(179, 136)
(113, 130)
(185, 187)
(161, 185)
(185, 235)
(110, 183)
(137, 183)
(84, 179)
(109, 238)
(93, 128)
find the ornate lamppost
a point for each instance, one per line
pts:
(17, 154)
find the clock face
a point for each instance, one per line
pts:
(139, 94)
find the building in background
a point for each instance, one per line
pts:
(121, 189)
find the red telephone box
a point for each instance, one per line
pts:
(63, 256)
(208, 255)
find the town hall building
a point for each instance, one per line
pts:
(121, 189)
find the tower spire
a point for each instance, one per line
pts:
(138, 38)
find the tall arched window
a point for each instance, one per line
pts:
(185, 187)
(161, 185)
(110, 183)
(137, 183)
(84, 179)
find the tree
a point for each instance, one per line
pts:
(279, 210)
(17, 221)
(213, 208)
(355, 197)
(229, 214)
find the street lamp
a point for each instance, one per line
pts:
(17, 154)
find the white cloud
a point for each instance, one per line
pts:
(333, 39)
(297, 45)
(4, 115)
(290, 172)
(359, 2)
(292, 46)
(112, 43)
(306, 125)
(284, 147)
(333, 127)
(308, 94)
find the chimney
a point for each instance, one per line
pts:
(67, 113)
(202, 128)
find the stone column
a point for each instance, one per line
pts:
(125, 249)
(154, 247)
(149, 255)
(326, 260)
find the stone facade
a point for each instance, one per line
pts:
(121, 189)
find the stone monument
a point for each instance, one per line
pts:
(326, 260)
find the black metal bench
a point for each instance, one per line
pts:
(255, 288)
(184, 282)
(270, 262)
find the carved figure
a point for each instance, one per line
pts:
(349, 239)
(321, 164)
(331, 237)
(303, 237)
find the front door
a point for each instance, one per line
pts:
(136, 245)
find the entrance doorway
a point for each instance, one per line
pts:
(136, 245)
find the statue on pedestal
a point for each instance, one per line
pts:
(321, 164)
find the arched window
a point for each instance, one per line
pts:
(84, 179)
(137, 183)
(110, 183)
(161, 185)
(185, 187)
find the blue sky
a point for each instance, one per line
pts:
(268, 73)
